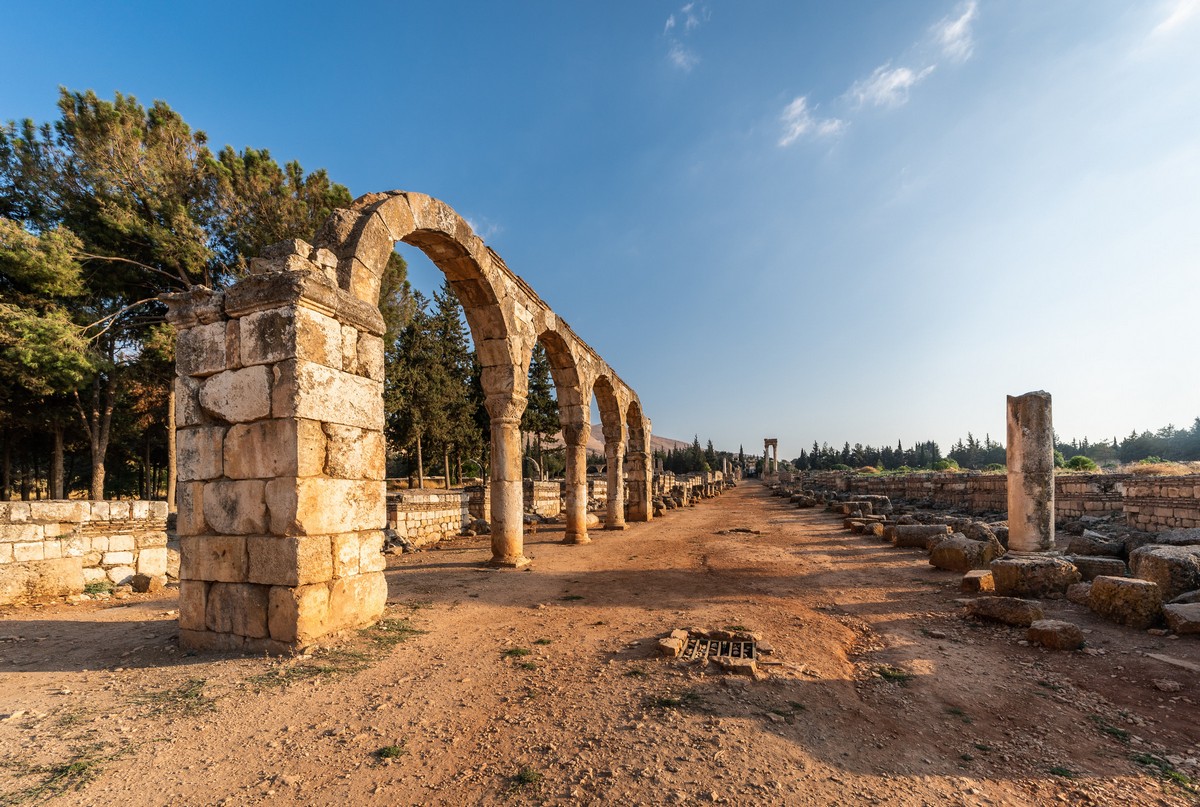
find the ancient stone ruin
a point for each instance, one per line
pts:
(280, 424)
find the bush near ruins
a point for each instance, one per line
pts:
(1081, 463)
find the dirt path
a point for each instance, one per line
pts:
(883, 694)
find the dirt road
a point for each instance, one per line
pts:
(542, 686)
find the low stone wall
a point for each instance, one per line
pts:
(1149, 503)
(1163, 502)
(543, 498)
(55, 548)
(428, 516)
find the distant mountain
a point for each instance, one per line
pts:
(596, 441)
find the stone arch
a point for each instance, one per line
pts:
(638, 468)
(279, 391)
(574, 405)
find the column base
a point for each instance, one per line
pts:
(579, 538)
(519, 562)
(621, 526)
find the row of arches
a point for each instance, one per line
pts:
(506, 319)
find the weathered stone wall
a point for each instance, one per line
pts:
(1149, 503)
(479, 501)
(428, 516)
(543, 498)
(52, 548)
(1163, 503)
(597, 492)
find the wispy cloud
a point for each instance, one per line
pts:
(798, 121)
(888, 86)
(484, 227)
(1182, 12)
(688, 18)
(954, 34)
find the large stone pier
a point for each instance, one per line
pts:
(1030, 473)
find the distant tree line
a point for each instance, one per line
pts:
(694, 459)
(1169, 444)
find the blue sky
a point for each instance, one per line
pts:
(808, 220)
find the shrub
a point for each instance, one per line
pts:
(841, 466)
(945, 465)
(995, 466)
(1081, 463)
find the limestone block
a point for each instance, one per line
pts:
(1033, 575)
(120, 575)
(356, 601)
(347, 549)
(99, 544)
(239, 608)
(200, 351)
(187, 403)
(303, 506)
(189, 498)
(349, 349)
(288, 333)
(238, 396)
(148, 584)
(6, 555)
(14, 512)
(1079, 593)
(193, 596)
(41, 579)
(289, 561)
(272, 448)
(307, 390)
(204, 641)
(121, 543)
(139, 510)
(152, 562)
(213, 557)
(958, 553)
(236, 507)
(117, 559)
(1090, 567)
(60, 510)
(157, 511)
(1055, 634)
(1009, 610)
(298, 614)
(93, 574)
(977, 581)
(918, 536)
(118, 511)
(100, 511)
(33, 550)
(151, 538)
(371, 552)
(198, 452)
(22, 532)
(52, 550)
(1183, 618)
(354, 453)
(370, 356)
(1176, 569)
(1093, 544)
(1132, 602)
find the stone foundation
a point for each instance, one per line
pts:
(427, 516)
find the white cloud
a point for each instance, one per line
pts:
(954, 36)
(887, 86)
(485, 228)
(1181, 13)
(798, 121)
(689, 16)
(681, 57)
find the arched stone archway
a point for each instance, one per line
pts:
(612, 422)
(638, 468)
(279, 390)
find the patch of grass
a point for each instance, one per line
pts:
(1066, 773)
(542, 641)
(387, 633)
(983, 747)
(528, 665)
(98, 587)
(736, 628)
(571, 597)
(598, 624)
(797, 706)
(966, 757)
(1166, 770)
(516, 652)
(954, 710)
(324, 664)
(392, 751)
(1109, 729)
(186, 699)
(526, 777)
(419, 605)
(636, 672)
(1050, 685)
(674, 702)
(894, 675)
(75, 773)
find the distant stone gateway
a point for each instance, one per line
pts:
(279, 390)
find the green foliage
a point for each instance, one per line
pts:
(945, 465)
(1081, 463)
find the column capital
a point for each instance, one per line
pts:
(505, 407)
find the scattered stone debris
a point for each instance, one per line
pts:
(1132, 602)
(1009, 610)
(1055, 634)
(735, 651)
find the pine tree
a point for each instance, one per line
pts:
(541, 410)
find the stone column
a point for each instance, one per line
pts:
(640, 478)
(576, 439)
(1030, 473)
(507, 487)
(279, 435)
(614, 452)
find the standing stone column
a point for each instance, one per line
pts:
(1030, 473)
(507, 485)
(614, 453)
(638, 472)
(576, 439)
(280, 450)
